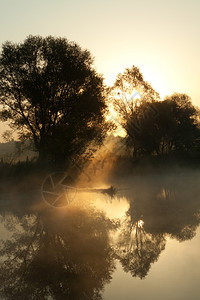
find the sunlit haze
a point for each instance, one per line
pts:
(160, 37)
(100, 179)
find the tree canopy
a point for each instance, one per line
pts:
(128, 90)
(172, 129)
(152, 126)
(52, 94)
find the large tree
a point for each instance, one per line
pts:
(52, 94)
(173, 128)
(129, 90)
(153, 126)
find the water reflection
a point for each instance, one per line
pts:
(71, 253)
(136, 249)
(159, 208)
(57, 255)
(168, 205)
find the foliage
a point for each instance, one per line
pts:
(128, 91)
(152, 126)
(172, 128)
(52, 94)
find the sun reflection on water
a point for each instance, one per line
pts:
(140, 224)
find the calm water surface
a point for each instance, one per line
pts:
(141, 243)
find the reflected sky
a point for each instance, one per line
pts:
(143, 240)
(174, 276)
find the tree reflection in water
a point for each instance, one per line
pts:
(159, 207)
(57, 255)
(137, 249)
(168, 205)
(68, 253)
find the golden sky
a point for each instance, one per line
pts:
(161, 37)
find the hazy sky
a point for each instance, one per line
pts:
(162, 38)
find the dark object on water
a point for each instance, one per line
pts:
(111, 191)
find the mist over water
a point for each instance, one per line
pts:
(78, 249)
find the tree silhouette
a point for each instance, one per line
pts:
(52, 94)
(128, 91)
(163, 127)
(57, 255)
(153, 127)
